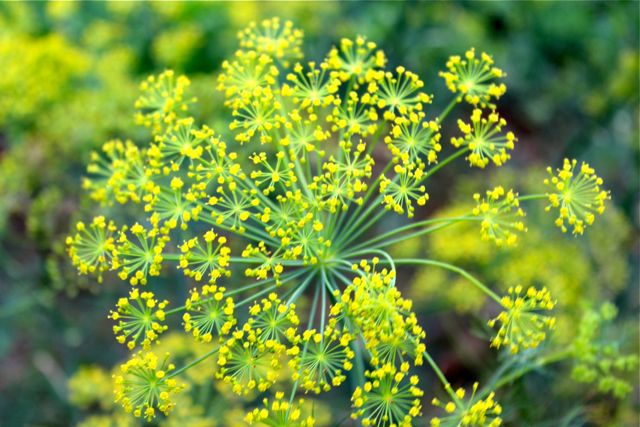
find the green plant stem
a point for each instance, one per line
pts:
(441, 377)
(361, 248)
(300, 289)
(349, 225)
(532, 197)
(323, 308)
(445, 162)
(402, 229)
(241, 260)
(447, 109)
(357, 233)
(193, 363)
(312, 314)
(452, 268)
(543, 361)
(255, 296)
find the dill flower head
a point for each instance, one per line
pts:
(576, 194)
(282, 205)
(91, 248)
(162, 100)
(398, 93)
(246, 75)
(474, 78)
(390, 397)
(355, 58)
(412, 138)
(501, 215)
(207, 257)
(247, 363)
(279, 413)
(209, 313)
(119, 175)
(484, 139)
(139, 318)
(138, 254)
(471, 413)
(144, 385)
(272, 37)
(377, 310)
(522, 324)
(325, 358)
(275, 322)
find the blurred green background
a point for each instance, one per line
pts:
(69, 73)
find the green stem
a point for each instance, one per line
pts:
(323, 308)
(241, 260)
(546, 360)
(350, 237)
(532, 197)
(389, 234)
(300, 289)
(445, 162)
(193, 363)
(447, 110)
(349, 225)
(255, 296)
(356, 250)
(454, 269)
(441, 377)
(312, 314)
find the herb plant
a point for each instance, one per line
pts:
(271, 221)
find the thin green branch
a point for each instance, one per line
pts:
(454, 269)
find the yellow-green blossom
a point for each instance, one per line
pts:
(522, 323)
(576, 194)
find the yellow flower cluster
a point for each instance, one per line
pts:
(274, 322)
(390, 398)
(139, 318)
(325, 358)
(384, 318)
(144, 383)
(473, 413)
(91, 248)
(279, 40)
(247, 363)
(473, 77)
(279, 412)
(162, 100)
(208, 259)
(522, 325)
(290, 190)
(138, 253)
(354, 58)
(120, 175)
(209, 312)
(37, 71)
(576, 194)
(501, 215)
(483, 138)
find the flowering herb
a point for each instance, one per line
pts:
(284, 207)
